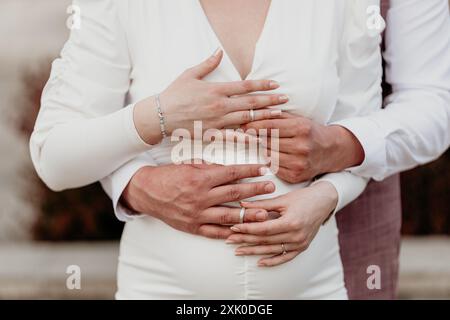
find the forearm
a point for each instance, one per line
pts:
(414, 127)
(83, 151)
(412, 130)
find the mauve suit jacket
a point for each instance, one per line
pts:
(369, 235)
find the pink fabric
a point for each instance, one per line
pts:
(369, 235)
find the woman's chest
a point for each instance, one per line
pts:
(298, 47)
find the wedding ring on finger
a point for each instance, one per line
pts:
(283, 249)
(241, 215)
(252, 115)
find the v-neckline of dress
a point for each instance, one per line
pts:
(218, 41)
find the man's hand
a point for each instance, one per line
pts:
(186, 197)
(307, 149)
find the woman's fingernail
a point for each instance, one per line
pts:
(275, 113)
(239, 253)
(284, 98)
(261, 264)
(263, 171)
(235, 229)
(229, 241)
(269, 187)
(216, 53)
(273, 85)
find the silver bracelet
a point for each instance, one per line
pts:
(162, 121)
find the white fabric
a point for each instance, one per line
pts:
(414, 128)
(322, 54)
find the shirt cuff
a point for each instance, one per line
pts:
(348, 187)
(119, 180)
(373, 141)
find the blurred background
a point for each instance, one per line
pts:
(42, 233)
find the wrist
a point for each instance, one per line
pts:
(135, 191)
(331, 197)
(346, 152)
(146, 121)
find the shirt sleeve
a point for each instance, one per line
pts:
(83, 110)
(360, 72)
(414, 126)
(116, 182)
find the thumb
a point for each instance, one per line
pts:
(209, 65)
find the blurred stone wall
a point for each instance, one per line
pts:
(31, 31)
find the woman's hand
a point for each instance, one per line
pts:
(302, 212)
(217, 105)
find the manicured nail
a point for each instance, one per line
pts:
(283, 98)
(275, 113)
(235, 229)
(216, 53)
(261, 264)
(239, 253)
(273, 85)
(263, 171)
(269, 187)
(229, 241)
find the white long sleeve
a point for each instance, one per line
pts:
(356, 60)
(83, 132)
(414, 127)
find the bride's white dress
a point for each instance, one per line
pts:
(324, 54)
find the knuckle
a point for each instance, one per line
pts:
(291, 176)
(193, 229)
(308, 150)
(216, 234)
(188, 72)
(296, 166)
(293, 225)
(234, 193)
(266, 114)
(217, 106)
(245, 117)
(233, 173)
(192, 181)
(252, 101)
(306, 129)
(247, 86)
(215, 90)
(264, 231)
(303, 165)
(298, 238)
(225, 218)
